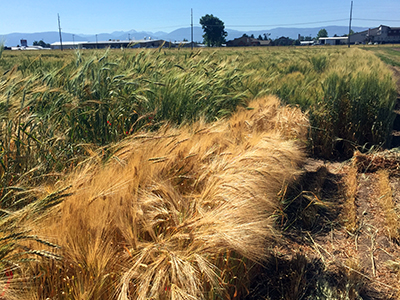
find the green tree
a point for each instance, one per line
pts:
(214, 30)
(322, 33)
(41, 43)
(351, 33)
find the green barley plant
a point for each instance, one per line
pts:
(355, 109)
(1, 48)
(319, 62)
(53, 107)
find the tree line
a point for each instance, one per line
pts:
(215, 34)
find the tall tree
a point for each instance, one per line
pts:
(322, 33)
(214, 30)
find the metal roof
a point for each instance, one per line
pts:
(334, 38)
(77, 43)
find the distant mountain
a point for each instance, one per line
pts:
(13, 39)
(183, 33)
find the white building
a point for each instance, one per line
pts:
(306, 43)
(29, 48)
(336, 40)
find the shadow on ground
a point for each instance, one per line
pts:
(313, 204)
(311, 210)
(299, 277)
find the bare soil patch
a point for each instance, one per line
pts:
(317, 258)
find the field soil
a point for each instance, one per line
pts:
(318, 257)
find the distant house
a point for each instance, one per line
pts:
(245, 41)
(382, 35)
(265, 43)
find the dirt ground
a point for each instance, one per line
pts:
(317, 257)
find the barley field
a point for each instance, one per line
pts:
(166, 173)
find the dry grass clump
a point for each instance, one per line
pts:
(268, 115)
(374, 161)
(177, 214)
(387, 204)
(350, 192)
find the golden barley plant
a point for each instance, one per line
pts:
(180, 213)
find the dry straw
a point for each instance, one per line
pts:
(176, 214)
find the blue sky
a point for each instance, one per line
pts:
(91, 17)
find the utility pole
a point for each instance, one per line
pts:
(351, 15)
(59, 30)
(192, 29)
(96, 41)
(73, 41)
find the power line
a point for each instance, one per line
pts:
(267, 25)
(275, 25)
(376, 20)
(286, 24)
(306, 23)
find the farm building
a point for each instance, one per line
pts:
(336, 40)
(306, 43)
(382, 35)
(68, 45)
(246, 41)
